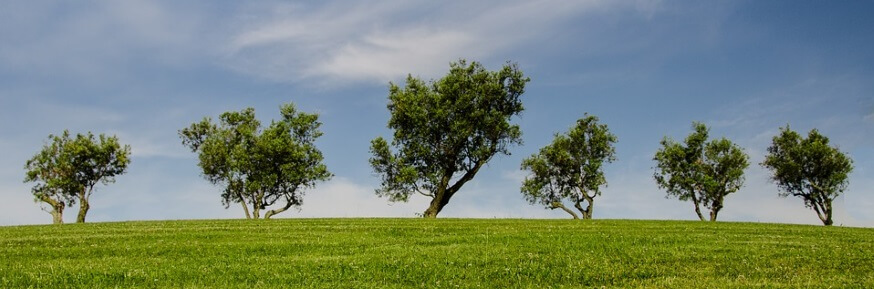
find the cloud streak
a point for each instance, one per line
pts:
(383, 41)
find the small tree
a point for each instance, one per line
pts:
(571, 168)
(701, 171)
(68, 169)
(259, 168)
(446, 130)
(808, 168)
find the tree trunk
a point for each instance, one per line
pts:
(697, 206)
(445, 191)
(257, 200)
(559, 205)
(823, 210)
(58, 214)
(440, 200)
(271, 213)
(57, 209)
(714, 209)
(584, 212)
(84, 206)
(83, 210)
(590, 204)
(441, 197)
(435, 207)
(245, 207)
(828, 213)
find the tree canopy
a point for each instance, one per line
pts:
(67, 170)
(570, 168)
(701, 171)
(259, 167)
(446, 130)
(808, 168)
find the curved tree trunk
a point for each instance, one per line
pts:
(445, 191)
(271, 213)
(57, 209)
(823, 209)
(437, 204)
(559, 205)
(827, 218)
(58, 215)
(245, 207)
(697, 206)
(440, 199)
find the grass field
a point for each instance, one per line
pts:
(442, 253)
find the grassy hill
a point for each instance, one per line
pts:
(442, 253)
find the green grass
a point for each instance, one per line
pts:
(442, 253)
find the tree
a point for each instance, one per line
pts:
(570, 168)
(446, 130)
(50, 169)
(701, 171)
(259, 167)
(808, 168)
(68, 169)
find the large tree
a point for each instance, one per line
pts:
(446, 130)
(67, 170)
(259, 167)
(570, 168)
(808, 168)
(701, 171)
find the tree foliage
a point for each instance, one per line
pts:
(808, 168)
(570, 168)
(259, 167)
(67, 170)
(701, 171)
(446, 130)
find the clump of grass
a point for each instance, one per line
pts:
(441, 253)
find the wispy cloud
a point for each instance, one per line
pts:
(385, 40)
(342, 197)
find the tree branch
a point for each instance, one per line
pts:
(424, 194)
(468, 175)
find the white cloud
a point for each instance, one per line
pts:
(341, 197)
(379, 57)
(385, 40)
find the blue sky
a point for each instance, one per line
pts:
(142, 70)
